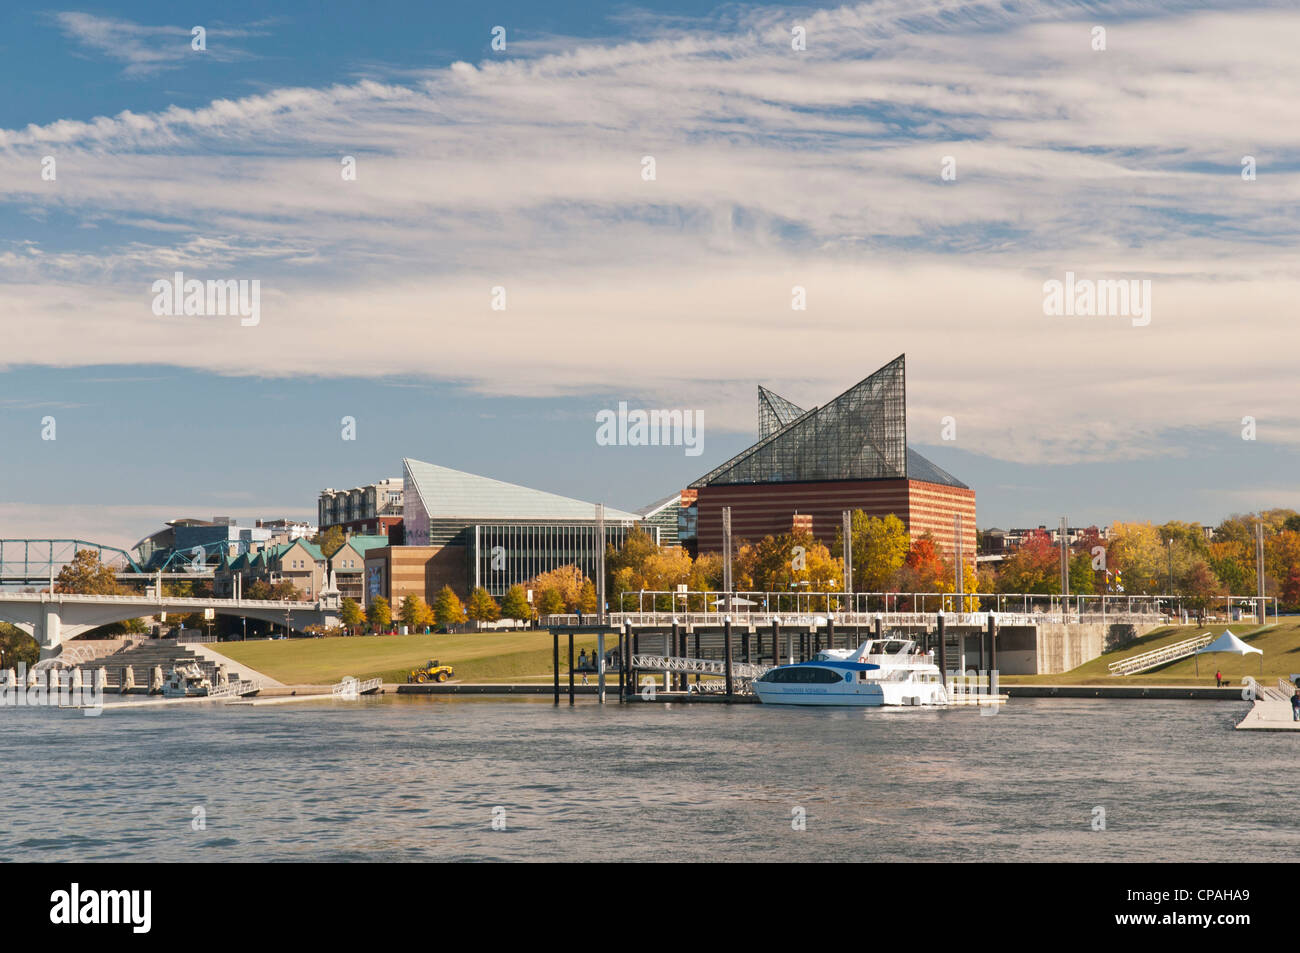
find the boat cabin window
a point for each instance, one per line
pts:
(802, 674)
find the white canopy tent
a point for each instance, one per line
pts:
(1228, 642)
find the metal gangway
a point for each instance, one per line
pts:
(698, 666)
(234, 689)
(1161, 656)
(352, 687)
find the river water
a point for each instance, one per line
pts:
(398, 778)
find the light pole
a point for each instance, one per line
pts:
(1171, 572)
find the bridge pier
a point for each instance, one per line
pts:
(49, 631)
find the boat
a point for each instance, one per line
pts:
(887, 671)
(186, 681)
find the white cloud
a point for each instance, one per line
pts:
(145, 49)
(774, 168)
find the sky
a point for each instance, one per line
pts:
(918, 168)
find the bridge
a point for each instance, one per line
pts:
(53, 619)
(36, 562)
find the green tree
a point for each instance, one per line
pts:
(379, 614)
(17, 646)
(447, 608)
(482, 607)
(351, 614)
(416, 613)
(515, 604)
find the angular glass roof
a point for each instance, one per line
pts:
(860, 435)
(774, 412)
(452, 494)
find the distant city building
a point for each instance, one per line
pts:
(999, 542)
(373, 509)
(191, 542)
(851, 454)
(349, 565)
(288, 529)
(666, 514)
(464, 530)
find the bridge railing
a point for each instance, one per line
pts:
(155, 600)
(806, 601)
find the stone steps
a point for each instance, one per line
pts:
(143, 657)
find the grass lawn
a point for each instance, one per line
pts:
(1280, 643)
(478, 657)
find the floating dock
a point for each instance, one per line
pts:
(1272, 709)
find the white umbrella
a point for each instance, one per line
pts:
(1228, 642)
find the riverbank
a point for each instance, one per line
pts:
(523, 659)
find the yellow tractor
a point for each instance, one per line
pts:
(431, 671)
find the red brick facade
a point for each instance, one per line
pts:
(764, 509)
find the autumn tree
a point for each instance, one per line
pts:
(482, 607)
(566, 580)
(588, 600)
(447, 608)
(379, 614)
(351, 615)
(880, 546)
(415, 613)
(549, 601)
(86, 575)
(331, 541)
(282, 591)
(924, 569)
(515, 603)
(1034, 567)
(1137, 550)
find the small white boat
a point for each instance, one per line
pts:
(878, 672)
(186, 681)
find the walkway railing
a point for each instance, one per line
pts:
(712, 607)
(697, 666)
(201, 601)
(1161, 656)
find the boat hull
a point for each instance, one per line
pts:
(858, 696)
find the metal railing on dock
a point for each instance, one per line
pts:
(697, 666)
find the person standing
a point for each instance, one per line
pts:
(1218, 679)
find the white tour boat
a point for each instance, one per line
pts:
(889, 671)
(186, 681)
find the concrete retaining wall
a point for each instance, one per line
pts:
(1065, 647)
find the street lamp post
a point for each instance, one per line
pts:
(1171, 573)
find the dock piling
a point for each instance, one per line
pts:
(726, 638)
(943, 652)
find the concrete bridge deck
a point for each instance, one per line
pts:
(54, 618)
